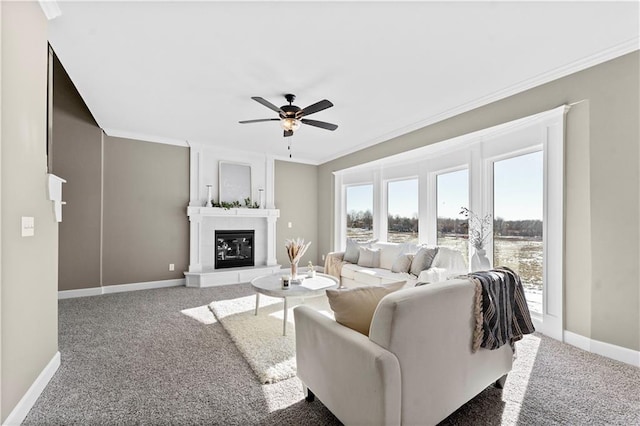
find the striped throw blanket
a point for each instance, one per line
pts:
(501, 311)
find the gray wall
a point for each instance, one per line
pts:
(602, 299)
(125, 219)
(146, 193)
(77, 157)
(29, 265)
(296, 197)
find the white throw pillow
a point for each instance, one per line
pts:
(369, 257)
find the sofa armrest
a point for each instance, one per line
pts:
(338, 255)
(356, 379)
(432, 275)
(333, 263)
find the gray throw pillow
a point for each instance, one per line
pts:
(369, 257)
(352, 253)
(402, 263)
(422, 260)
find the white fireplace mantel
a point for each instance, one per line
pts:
(199, 212)
(203, 221)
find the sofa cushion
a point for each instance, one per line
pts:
(422, 260)
(388, 253)
(354, 307)
(369, 257)
(388, 277)
(369, 276)
(402, 263)
(352, 252)
(349, 270)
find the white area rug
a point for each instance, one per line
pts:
(270, 354)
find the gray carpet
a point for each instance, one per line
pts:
(134, 358)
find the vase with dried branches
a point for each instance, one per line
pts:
(479, 231)
(295, 250)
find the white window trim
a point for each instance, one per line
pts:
(481, 148)
(385, 201)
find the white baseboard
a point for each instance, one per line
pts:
(119, 288)
(21, 410)
(628, 356)
(81, 292)
(142, 286)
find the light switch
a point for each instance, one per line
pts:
(28, 226)
(289, 224)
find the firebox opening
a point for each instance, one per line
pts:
(234, 248)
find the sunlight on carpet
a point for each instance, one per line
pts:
(518, 379)
(259, 338)
(201, 314)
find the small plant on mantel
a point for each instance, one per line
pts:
(227, 205)
(248, 204)
(236, 204)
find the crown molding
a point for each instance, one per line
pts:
(618, 50)
(50, 8)
(145, 138)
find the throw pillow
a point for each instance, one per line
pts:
(402, 263)
(369, 257)
(354, 307)
(422, 260)
(352, 252)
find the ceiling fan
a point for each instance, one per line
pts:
(291, 116)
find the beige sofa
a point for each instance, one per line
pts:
(446, 263)
(415, 368)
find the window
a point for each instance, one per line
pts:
(402, 211)
(518, 221)
(359, 205)
(512, 172)
(452, 193)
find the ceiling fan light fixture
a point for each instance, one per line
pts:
(289, 123)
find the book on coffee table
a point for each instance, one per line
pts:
(317, 283)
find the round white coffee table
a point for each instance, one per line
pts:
(271, 285)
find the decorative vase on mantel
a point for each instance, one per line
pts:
(209, 202)
(479, 261)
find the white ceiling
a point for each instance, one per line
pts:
(176, 71)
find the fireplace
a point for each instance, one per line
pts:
(234, 248)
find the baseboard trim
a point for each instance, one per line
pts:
(628, 356)
(81, 292)
(120, 288)
(21, 410)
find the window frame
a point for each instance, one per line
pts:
(385, 200)
(477, 152)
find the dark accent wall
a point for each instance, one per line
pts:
(146, 192)
(125, 218)
(76, 157)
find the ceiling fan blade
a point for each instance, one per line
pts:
(288, 133)
(267, 104)
(321, 124)
(259, 120)
(312, 109)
